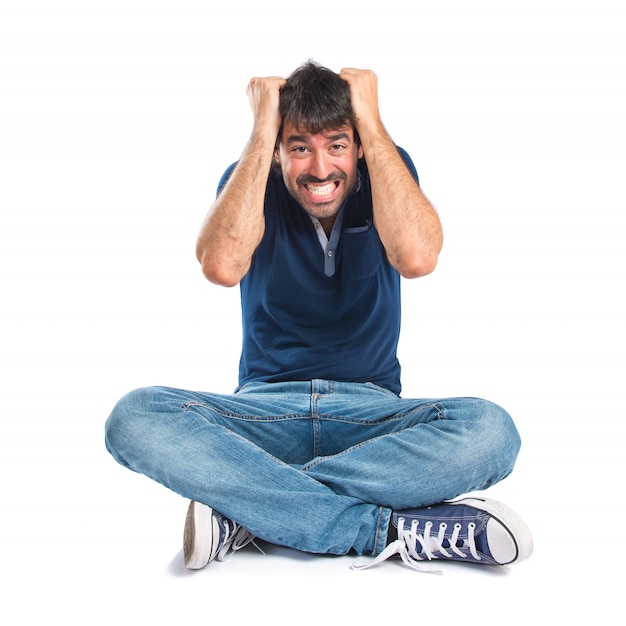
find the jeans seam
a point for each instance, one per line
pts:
(396, 416)
(380, 542)
(317, 460)
(247, 418)
(316, 430)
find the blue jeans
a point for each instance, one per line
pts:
(317, 466)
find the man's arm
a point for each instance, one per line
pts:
(234, 226)
(407, 223)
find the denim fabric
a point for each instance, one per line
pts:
(317, 466)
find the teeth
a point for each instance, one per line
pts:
(321, 190)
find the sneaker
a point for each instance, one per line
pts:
(472, 530)
(210, 536)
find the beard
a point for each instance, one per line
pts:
(321, 208)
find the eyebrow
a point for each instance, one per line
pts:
(303, 138)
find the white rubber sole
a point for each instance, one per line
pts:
(508, 536)
(198, 536)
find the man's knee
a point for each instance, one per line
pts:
(125, 424)
(501, 434)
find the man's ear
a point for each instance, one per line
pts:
(276, 160)
(277, 155)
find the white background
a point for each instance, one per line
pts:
(117, 119)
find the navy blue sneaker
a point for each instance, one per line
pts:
(210, 536)
(472, 530)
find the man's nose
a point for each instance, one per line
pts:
(320, 165)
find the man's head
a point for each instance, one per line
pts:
(317, 148)
(316, 99)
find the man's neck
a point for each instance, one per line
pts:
(327, 224)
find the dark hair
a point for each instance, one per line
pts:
(315, 99)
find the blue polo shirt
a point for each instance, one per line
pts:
(310, 312)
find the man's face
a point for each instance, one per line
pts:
(319, 170)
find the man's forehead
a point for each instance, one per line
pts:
(296, 134)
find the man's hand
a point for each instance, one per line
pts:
(407, 223)
(235, 224)
(364, 96)
(264, 97)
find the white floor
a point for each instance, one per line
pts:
(111, 552)
(84, 538)
(116, 120)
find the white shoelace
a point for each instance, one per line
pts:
(236, 538)
(408, 539)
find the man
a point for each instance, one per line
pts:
(316, 450)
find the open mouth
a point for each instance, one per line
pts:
(322, 191)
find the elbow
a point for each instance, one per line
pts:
(218, 276)
(222, 276)
(416, 268)
(219, 273)
(416, 258)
